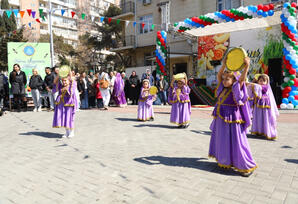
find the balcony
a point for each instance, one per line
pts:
(127, 42)
(127, 9)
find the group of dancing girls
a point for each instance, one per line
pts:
(239, 104)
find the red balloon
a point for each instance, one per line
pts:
(285, 95)
(158, 32)
(295, 82)
(296, 97)
(266, 8)
(260, 6)
(294, 5)
(292, 71)
(271, 6)
(287, 89)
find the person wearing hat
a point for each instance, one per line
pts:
(145, 104)
(179, 98)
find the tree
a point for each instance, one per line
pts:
(8, 33)
(110, 34)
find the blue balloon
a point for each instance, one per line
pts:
(291, 98)
(270, 13)
(287, 4)
(264, 14)
(293, 93)
(288, 57)
(255, 9)
(285, 100)
(260, 12)
(295, 102)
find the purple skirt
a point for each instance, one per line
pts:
(64, 117)
(145, 111)
(229, 146)
(180, 113)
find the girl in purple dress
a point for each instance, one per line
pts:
(265, 110)
(66, 105)
(179, 99)
(228, 143)
(118, 92)
(145, 107)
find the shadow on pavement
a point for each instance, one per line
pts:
(286, 147)
(43, 134)
(195, 163)
(202, 132)
(257, 137)
(295, 161)
(166, 113)
(156, 126)
(127, 119)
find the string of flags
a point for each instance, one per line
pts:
(83, 16)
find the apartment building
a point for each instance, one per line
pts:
(62, 24)
(140, 42)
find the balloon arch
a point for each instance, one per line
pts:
(289, 36)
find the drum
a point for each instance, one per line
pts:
(64, 71)
(235, 59)
(153, 90)
(179, 76)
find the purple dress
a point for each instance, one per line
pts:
(145, 107)
(118, 92)
(265, 113)
(66, 104)
(180, 112)
(228, 143)
(252, 96)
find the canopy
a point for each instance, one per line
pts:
(246, 24)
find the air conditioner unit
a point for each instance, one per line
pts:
(147, 2)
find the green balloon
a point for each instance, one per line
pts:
(291, 82)
(175, 24)
(292, 76)
(158, 42)
(284, 85)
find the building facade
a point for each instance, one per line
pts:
(140, 42)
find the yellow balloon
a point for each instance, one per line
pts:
(235, 59)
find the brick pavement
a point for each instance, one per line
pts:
(116, 159)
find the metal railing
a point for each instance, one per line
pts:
(128, 40)
(127, 7)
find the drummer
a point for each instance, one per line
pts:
(179, 98)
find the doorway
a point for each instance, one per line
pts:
(275, 75)
(180, 68)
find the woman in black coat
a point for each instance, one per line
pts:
(134, 88)
(18, 81)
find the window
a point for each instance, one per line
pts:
(228, 4)
(148, 24)
(147, 59)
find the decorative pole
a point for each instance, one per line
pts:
(161, 52)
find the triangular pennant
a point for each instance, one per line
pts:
(143, 25)
(8, 13)
(73, 14)
(1, 12)
(40, 12)
(126, 23)
(62, 11)
(16, 12)
(101, 19)
(109, 20)
(134, 24)
(22, 13)
(29, 12)
(29, 25)
(92, 18)
(37, 20)
(153, 26)
(83, 16)
(33, 14)
(43, 17)
(118, 21)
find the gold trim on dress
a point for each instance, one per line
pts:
(263, 134)
(63, 127)
(139, 119)
(263, 106)
(186, 122)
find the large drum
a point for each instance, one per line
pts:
(235, 59)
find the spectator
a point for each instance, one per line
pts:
(148, 76)
(99, 101)
(48, 81)
(56, 73)
(162, 86)
(83, 87)
(134, 83)
(36, 86)
(3, 91)
(105, 89)
(18, 81)
(91, 90)
(126, 84)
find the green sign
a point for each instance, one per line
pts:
(29, 56)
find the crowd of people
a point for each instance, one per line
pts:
(94, 90)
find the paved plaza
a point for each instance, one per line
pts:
(115, 159)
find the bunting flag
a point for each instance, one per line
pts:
(43, 17)
(134, 24)
(29, 12)
(22, 13)
(62, 12)
(101, 19)
(92, 18)
(83, 16)
(126, 23)
(33, 14)
(143, 25)
(29, 25)
(8, 13)
(40, 12)
(109, 20)
(118, 21)
(73, 14)
(1, 12)
(37, 20)
(152, 26)
(16, 12)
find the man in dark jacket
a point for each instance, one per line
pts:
(162, 86)
(18, 81)
(48, 81)
(84, 86)
(3, 91)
